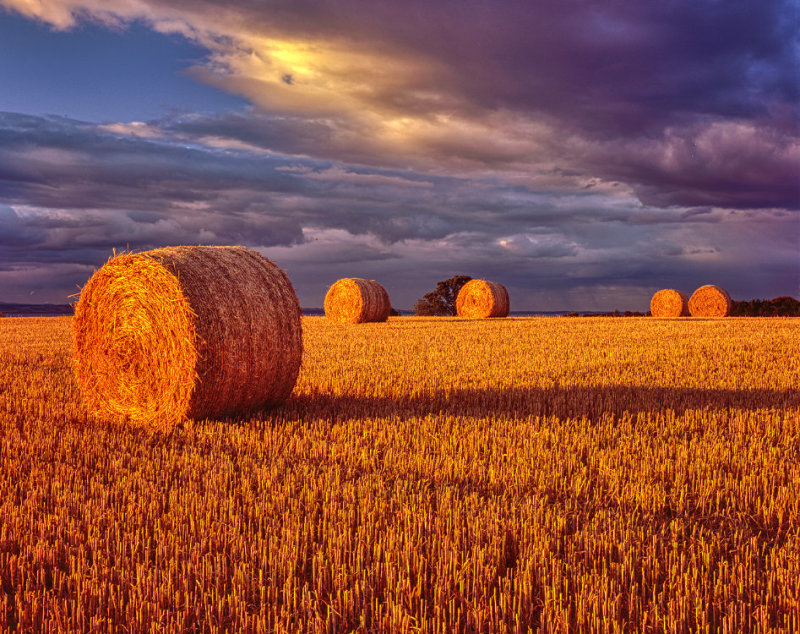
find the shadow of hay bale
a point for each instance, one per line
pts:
(592, 403)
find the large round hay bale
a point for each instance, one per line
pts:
(353, 300)
(669, 303)
(186, 332)
(710, 301)
(480, 299)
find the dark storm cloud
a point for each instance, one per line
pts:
(141, 192)
(577, 151)
(58, 162)
(624, 68)
(70, 191)
(608, 68)
(731, 164)
(149, 190)
(610, 86)
(689, 103)
(16, 233)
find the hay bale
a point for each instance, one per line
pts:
(710, 301)
(186, 332)
(669, 303)
(353, 300)
(480, 299)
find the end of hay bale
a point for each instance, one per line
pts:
(669, 303)
(481, 299)
(353, 300)
(186, 332)
(710, 301)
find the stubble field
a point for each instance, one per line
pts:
(434, 475)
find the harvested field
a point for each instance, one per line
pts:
(430, 474)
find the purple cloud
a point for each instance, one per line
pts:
(556, 147)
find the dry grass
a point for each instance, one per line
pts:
(439, 475)
(481, 299)
(669, 303)
(353, 300)
(710, 301)
(186, 332)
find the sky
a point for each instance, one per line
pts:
(584, 154)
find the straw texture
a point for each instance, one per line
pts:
(480, 299)
(710, 301)
(353, 300)
(669, 303)
(186, 332)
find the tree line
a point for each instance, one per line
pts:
(778, 307)
(441, 302)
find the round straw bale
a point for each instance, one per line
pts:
(710, 301)
(479, 299)
(353, 300)
(669, 303)
(186, 332)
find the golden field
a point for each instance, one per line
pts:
(432, 475)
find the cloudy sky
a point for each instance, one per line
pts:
(585, 154)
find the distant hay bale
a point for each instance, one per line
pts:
(669, 303)
(710, 301)
(353, 300)
(479, 299)
(186, 332)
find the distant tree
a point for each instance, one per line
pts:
(617, 313)
(778, 307)
(441, 301)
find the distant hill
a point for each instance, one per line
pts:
(24, 310)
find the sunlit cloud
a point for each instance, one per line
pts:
(574, 147)
(387, 92)
(133, 128)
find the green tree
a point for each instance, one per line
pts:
(441, 301)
